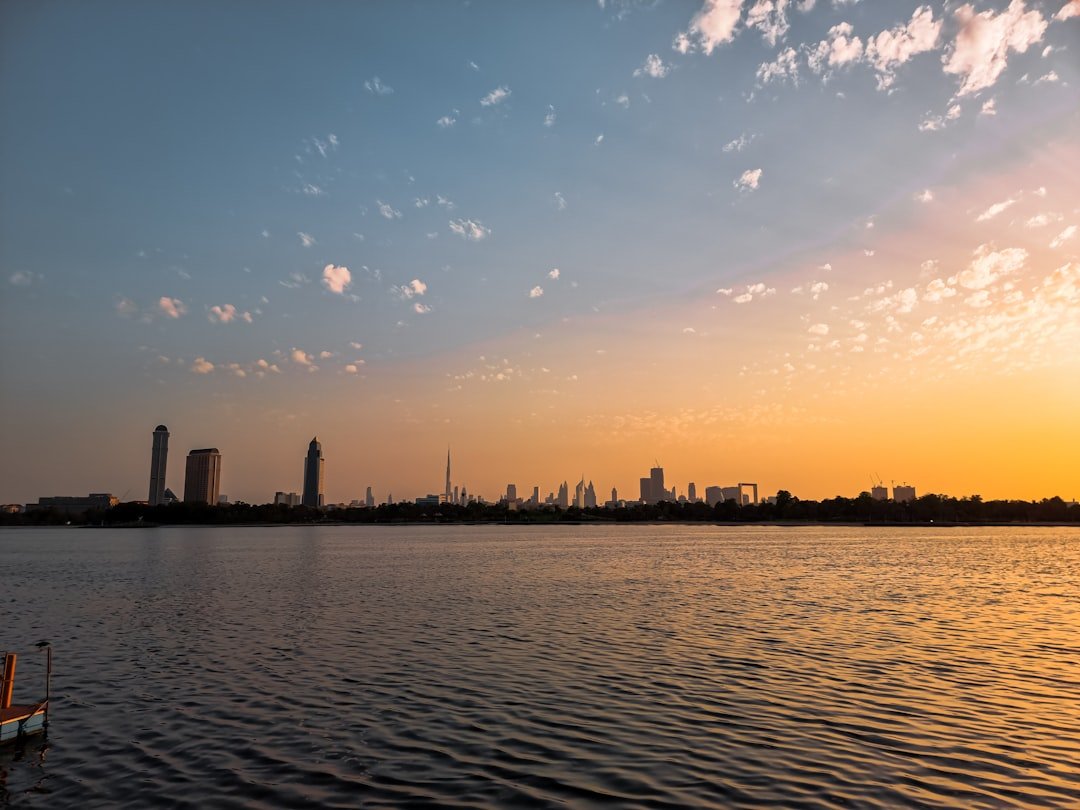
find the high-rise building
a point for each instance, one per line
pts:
(159, 457)
(646, 490)
(714, 495)
(879, 492)
(202, 478)
(286, 499)
(656, 485)
(903, 493)
(691, 492)
(369, 499)
(511, 493)
(313, 475)
(590, 496)
(563, 499)
(449, 493)
(579, 493)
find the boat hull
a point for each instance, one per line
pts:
(18, 722)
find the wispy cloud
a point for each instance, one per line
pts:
(24, 278)
(560, 201)
(200, 365)
(653, 66)
(377, 87)
(496, 96)
(553, 273)
(387, 211)
(470, 229)
(738, 144)
(306, 239)
(536, 291)
(995, 209)
(549, 117)
(446, 121)
(421, 309)
(1063, 237)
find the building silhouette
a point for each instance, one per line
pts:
(159, 458)
(202, 478)
(903, 493)
(448, 493)
(313, 475)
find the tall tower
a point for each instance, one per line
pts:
(202, 478)
(313, 475)
(449, 493)
(159, 457)
(657, 492)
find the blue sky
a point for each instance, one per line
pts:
(182, 184)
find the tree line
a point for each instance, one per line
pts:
(862, 509)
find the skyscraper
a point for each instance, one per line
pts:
(313, 475)
(449, 493)
(159, 457)
(657, 492)
(202, 478)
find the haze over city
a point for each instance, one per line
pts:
(800, 244)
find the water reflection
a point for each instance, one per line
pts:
(689, 666)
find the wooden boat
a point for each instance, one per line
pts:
(19, 720)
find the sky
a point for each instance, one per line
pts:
(803, 244)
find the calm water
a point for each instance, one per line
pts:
(579, 666)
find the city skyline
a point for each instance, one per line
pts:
(793, 244)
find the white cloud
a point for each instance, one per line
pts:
(1070, 9)
(712, 26)
(357, 346)
(818, 288)
(300, 357)
(994, 210)
(553, 273)
(785, 66)
(376, 87)
(839, 49)
(549, 118)
(496, 96)
(989, 107)
(623, 101)
(336, 279)
(1063, 237)
(925, 196)
(980, 51)
(989, 265)
(744, 298)
(769, 17)
(599, 139)
(421, 309)
(653, 66)
(560, 201)
(388, 211)
(819, 329)
(125, 307)
(748, 180)
(1048, 78)
(202, 366)
(892, 48)
(411, 290)
(470, 229)
(446, 121)
(172, 307)
(725, 291)
(227, 313)
(306, 239)
(351, 368)
(312, 190)
(536, 291)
